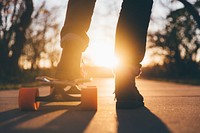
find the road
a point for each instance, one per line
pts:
(169, 107)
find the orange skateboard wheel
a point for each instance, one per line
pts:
(27, 99)
(89, 98)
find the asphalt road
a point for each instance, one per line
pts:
(169, 107)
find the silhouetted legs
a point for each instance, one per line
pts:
(130, 45)
(74, 39)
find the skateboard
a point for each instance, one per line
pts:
(60, 91)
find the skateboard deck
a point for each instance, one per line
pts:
(29, 98)
(55, 82)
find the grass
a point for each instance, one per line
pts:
(17, 86)
(186, 81)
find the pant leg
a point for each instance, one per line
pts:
(130, 48)
(132, 31)
(77, 21)
(74, 39)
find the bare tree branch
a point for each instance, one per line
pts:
(192, 10)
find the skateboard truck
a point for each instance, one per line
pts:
(60, 91)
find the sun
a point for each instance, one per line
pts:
(107, 60)
(101, 56)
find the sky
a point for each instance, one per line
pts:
(102, 30)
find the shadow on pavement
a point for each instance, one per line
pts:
(140, 120)
(71, 119)
(54, 119)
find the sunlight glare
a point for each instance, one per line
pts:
(102, 56)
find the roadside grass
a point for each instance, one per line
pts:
(195, 82)
(184, 81)
(14, 86)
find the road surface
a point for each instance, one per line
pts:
(169, 107)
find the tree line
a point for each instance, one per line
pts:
(27, 35)
(180, 41)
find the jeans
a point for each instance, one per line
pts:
(131, 28)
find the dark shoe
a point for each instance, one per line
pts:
(126, 92)
(69, 66)
(129, 100)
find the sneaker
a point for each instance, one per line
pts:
(126, 92)
(132, 100)
(69, 66)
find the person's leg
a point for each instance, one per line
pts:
(74, 39)
(130, 49)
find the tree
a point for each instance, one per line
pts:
(192, 10)
(180, 41)
(15, 18)
(27, 36)
(42, 35)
